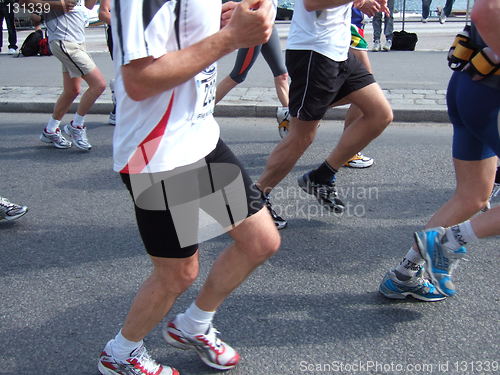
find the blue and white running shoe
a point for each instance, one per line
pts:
(441, 262)
(417, 287)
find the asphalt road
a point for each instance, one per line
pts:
(71, 266)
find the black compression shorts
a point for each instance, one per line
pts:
(158, 226)
(246, 57)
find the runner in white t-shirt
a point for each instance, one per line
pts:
(65, 22)
(169, 154)
(324, 73)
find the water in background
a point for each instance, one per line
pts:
(416, 5)
(412, 6)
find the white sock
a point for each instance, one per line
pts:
(121, 347)
(411, 264)
(459, 235)
(78, 120)
(52, 125)
(195, 321)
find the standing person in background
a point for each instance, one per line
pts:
(245, 59)
(443, 13)
(105, 16)
(7, 13)
(388, 28)
(65, 24)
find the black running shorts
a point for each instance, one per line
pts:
(317, 82)
(157, 227)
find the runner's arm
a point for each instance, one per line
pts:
(250, 25)
(104, 12)
(486, 16)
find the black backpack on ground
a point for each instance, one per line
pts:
(403, 41)
(31, 45)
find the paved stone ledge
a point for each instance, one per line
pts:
(409, 105)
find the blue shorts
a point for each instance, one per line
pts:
(473, 109)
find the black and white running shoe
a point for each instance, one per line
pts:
(326, 194)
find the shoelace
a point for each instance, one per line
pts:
(211, 338)
(56, 134)
(80, 133)
(4, 202)
(423, 283)
(147, 363)
(324, 191)
(274, 215)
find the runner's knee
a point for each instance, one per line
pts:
(301, 134)
(282, 77)
(265, 245)
(72, 92)
(177, 278)
(381, 118)
(472, 203)
(264, 240)
(99, 86)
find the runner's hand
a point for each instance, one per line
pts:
(251, 23)
(227, 12)
(370, 7)
(68, 5)
(384, 8)
(358, 3)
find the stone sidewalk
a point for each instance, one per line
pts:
(409, 105)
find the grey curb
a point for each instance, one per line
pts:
(437, 115)
(400, 114)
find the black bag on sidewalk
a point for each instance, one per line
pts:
(31, 45)
(403, 41)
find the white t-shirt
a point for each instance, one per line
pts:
(176, 127)
(326, 31)
(69, 26)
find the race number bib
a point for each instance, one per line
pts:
(205, 93)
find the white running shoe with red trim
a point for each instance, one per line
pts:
(139, 363)
(212, 351)
(56, 139)
(78, 135)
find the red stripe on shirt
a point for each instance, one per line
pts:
(148, 147)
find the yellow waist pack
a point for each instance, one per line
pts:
(466, 56)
